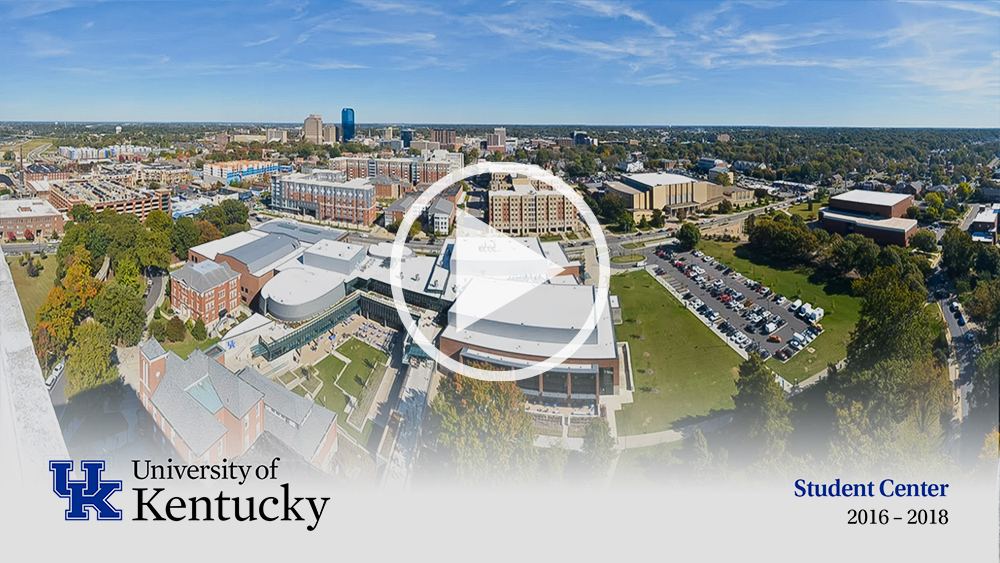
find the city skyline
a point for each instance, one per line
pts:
(906, 64)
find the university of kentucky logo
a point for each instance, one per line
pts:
(91, 491)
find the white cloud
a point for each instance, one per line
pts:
(261, 42)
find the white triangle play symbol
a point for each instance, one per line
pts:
(491, 270)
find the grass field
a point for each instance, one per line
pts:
(32, 291)
(188, 345)
(803, 210)
(636, 464)
(693, 371)
(363, 359)
(550, 238)
(331, 397)
(628, 258)
(832, 294)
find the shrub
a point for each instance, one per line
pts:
(176, 330)
(158, 329)
(198, 330)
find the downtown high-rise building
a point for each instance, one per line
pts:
(406, 135)
(347, 123)
(312, 129)
(497, 140)
(443, 136)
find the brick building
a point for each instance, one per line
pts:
(204, 290)
(35, 215)
(204, 413)
(877, 215)
(412, 170)
(528, 210)
(324, 194)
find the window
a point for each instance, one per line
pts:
(246, 422)
(172, 437)
(258, 409)
(220, 448)
(258, 429)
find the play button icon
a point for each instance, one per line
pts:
(502, 282)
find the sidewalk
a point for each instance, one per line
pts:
(667, 436)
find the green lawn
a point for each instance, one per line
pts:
(832, 294)
(572, 235)
(188, 345)
(363, 359)
(638, 466)
(550, 238)
(628, 258)
(333, 398)
(32, 291)
(693, 370)
(803, 210)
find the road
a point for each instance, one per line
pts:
(155, 290)
(18, 248)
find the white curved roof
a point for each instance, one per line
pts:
(300, 285)
(384, 250)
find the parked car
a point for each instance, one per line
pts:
(961, 321)
(774, 338)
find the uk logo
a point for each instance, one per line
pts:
(91, 491)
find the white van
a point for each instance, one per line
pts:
(799, 338)
(795, 305)
(817, 314)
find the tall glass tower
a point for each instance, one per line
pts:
(347, 122)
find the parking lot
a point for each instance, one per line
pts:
(741, 310)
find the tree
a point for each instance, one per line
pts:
(207, 232)
(184, 235)
(598, 447)
(176, 331)
(415, 229)
(82, 213)
(924, 240)
(79, 281)
(657, 220)
(761, 409)
(29, 234)
(984, 307)
(484, 431)
(643, 223)
(127, 273)
(892, 322)
(89, 360)
(689, 236)
(158, 329)
(54, 324)
(959, 252)
(988, 260)
(159, 221)
(120, 309)
(913, 212)
(198, 331)
(31, 268)
(725, 206)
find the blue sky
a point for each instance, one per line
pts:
(900, 64)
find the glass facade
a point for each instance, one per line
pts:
(347, 123)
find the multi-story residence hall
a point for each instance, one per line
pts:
(204, 413)
(326, 195)
(528, 209)
(204, 290)
(35, 215)
(412, 170)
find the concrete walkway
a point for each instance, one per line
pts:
(559, 442)
(667, 436)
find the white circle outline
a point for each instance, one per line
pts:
(603, 282)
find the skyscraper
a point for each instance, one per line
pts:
(406, 135)
(347, 121)
(312, 129)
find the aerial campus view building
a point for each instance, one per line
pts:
(101, 194)
(204, 413)
(326, 195)
(674, 194)
(881, 216)
(306, 276)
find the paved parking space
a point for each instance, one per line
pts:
(739, 316)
